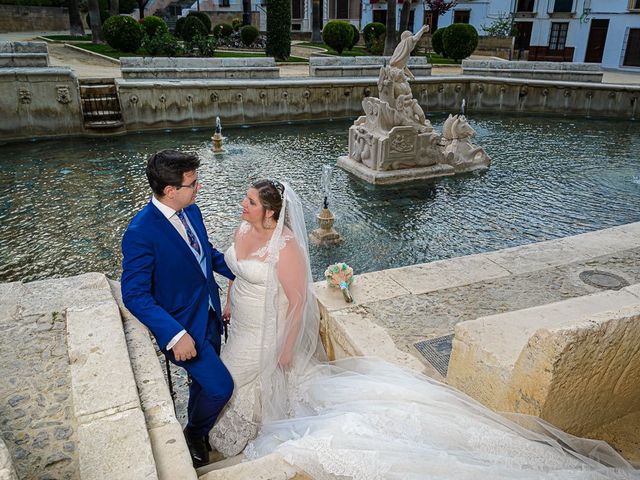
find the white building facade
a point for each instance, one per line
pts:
(595, 31)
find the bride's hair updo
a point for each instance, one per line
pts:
(270, 193)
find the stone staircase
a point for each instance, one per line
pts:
(100, 105)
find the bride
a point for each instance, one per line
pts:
(359, 418)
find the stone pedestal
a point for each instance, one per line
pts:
(326, 234)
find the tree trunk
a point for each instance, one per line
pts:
(316, 33)
(390, 40)
(246, 12)
(141, 5)
(405, 13)
(96, 23)
(114, 7)
(75, 20)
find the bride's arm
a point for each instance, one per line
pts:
(293, 278)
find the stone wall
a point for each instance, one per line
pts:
(39, 102)
(148, 105)
(20, 18)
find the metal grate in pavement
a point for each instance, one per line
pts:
(437, 352)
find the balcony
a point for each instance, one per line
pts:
(562, 8)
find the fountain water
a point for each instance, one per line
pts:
(217, 138)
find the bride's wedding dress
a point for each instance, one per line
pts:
(366, 419)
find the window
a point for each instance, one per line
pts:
(461, 16)
(632, 52)
(563, 6)
(558, 36)
(380, 16)
(296, 9)
(223, 3)
(525, 5)
(342, 8)
(634, 4)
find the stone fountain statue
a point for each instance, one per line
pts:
(394, 142)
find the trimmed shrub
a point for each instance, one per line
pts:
(179, 26)
(248, 34)
(356, 37)
(459, 40)
(436, 41)
(204, 45)
(338, 34)
(192, 27)
(377, 47)
(279, 29)
(123, 33)
(236, 23)
(204, 18)
(222, 30)
(104, 14)
(373, 33)
(153, 26)
(161, 44)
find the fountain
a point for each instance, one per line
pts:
(217, 138)
(326, 234)
(394, 142)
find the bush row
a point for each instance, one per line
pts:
(457, 41)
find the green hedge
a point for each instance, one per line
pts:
(436, 41)
(373, 34)
(123, 33)
(204, 18)
(192, 27)
(356, 37)
(153, 26)
(249, 34)
(459, 40)
(222, 30)
(338, 34)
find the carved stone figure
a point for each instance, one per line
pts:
(24, 95)
(64, 96)
(459, 150)
(395, 135)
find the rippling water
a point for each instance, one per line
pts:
(64, 204)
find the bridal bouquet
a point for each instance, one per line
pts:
(340, 275)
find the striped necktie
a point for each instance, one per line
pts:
(190, 235)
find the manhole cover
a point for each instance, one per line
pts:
(437, 352)
(604, 280)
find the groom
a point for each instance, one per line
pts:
(168, 284)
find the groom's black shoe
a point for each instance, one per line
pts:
(197, 449)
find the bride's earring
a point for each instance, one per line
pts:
(269, 223)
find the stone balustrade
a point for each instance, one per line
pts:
(198, 68)
(361, 66)
(564, 71)
(24, 54)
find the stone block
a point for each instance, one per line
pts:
(195, 68)
(367, 287)
(270, 467)
(7, 472)
(572, 363)
(101, 377)
(565, 71)
(366, 66)
(172, 459)
(448, 273)
(116, 447)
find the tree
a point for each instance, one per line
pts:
(439, 7)
(142, 4)
(405, 13)
(316, 32)
(390, 40)
(279, 29)
(114, 7)
(75, 20)
(96, 21)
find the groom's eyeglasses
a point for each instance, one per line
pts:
(192, 185)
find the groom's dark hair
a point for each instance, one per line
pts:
(166, 167)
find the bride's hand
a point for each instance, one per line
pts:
(226, 313)
(286, 360)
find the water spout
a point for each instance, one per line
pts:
(462, 106)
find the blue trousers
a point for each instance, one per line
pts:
(211, 387)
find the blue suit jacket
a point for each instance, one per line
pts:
(162, 282)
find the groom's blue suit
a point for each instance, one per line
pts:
(164, 286)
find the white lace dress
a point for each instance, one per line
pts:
(239, 421)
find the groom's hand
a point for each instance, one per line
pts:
(185, 349)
